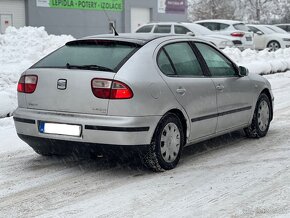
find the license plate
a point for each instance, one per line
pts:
(249, 38)
(60, 129)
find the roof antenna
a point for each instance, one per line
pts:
(114, 29)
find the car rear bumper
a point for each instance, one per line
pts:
(98, 129)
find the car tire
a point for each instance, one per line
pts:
(261, 119)
(273, 45)
(167, 143)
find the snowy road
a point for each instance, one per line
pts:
(229, 176)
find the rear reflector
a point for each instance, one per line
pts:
(237, 34)
(27, 84)
(110, 89)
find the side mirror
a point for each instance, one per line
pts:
(259, 33)
(190, 34)
(243, 71)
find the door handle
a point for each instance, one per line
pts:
(220, 87)
(181, 91)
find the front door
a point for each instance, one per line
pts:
(234, 93)
(193, 90)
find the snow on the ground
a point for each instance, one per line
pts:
(19, 49)
(229, 176)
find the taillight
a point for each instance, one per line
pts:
(110, 89)
(27, 84)
(237, 34)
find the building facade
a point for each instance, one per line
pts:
(89, 17)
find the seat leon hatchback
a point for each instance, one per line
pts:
(158, 92)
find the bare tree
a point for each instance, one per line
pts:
(211, 9)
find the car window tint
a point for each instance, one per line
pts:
(219, 66)
(162, 29)
(254, 29)
(181, 30)
(164, 64)
(223, 26)
(184, 60)
(145, 29)
(89, 52)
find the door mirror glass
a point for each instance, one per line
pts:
(243, 71)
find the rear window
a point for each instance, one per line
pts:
(215, 26)
(103, 53)
(241, 26)
(145, 29)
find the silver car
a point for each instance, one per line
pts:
(158, 92)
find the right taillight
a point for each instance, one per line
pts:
(110, 89)
(237, 34)
(27, 84)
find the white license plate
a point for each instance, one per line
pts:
(60, 129)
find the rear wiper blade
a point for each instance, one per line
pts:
(89, 67)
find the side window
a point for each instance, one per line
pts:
(211, 26)
(254, 29)
(164, 64)
(223, 26)
(162, 29)
(181, 30)
(219, 66)
(184, 61)
(145, 29)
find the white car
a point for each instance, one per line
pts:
(267, 38)
(285, 26)
(233, 28)
(276, 29)
(189, 29)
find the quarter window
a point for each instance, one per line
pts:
(164, 64)
(181, 30)
(219, 66)
(184, 61)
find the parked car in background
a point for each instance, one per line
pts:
(189, 29)
(158, 93)
(285, 27)
(232, 28)
(264, 37)
(276, 29)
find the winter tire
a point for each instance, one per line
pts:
(261, 119)
(273, 46)
(165, 149)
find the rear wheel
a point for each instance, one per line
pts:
(166, 146)
(261, 120)
(273, 45)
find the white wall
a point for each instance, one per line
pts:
(16, 8)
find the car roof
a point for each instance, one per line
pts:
(138, 38)
(221, 21)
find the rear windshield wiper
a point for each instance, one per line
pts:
(89, 67)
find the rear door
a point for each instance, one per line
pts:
(234, 93)
(196, 93)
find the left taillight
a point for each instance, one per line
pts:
(27, 84)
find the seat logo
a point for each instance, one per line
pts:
(61, 84)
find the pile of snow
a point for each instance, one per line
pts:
(19, 49)
(261, 62)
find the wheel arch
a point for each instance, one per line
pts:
(183, 119)
(267, 92)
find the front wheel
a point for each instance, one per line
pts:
(165, 149)
(262, 118)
